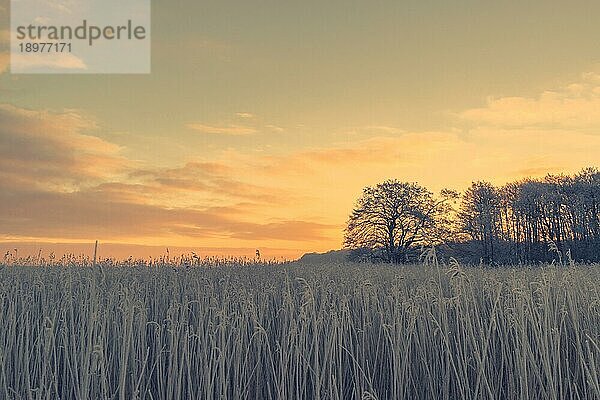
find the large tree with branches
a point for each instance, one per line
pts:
(393, 219)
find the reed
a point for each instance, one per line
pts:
(298, 331)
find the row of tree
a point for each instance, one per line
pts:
(528, 221)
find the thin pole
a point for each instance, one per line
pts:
(95, 252)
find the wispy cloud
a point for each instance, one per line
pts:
(211, 180)
(239, 124)
(86, 214)
(245, 115)
(275, 128)
(233, 130)
(365, 153)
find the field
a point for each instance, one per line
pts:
(298, 331)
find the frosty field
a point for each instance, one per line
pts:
(299, 331)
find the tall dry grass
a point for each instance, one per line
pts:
(300, 332)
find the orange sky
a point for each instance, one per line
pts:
(250, 135)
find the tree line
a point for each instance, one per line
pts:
(527, 221)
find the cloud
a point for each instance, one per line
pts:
(556, 131)
(291, 230)
(210, 179)
(45, 149)
(33, 62)
(233, 130)
(274, 128)
(245, 115)
(58, 181)
(574, 106)
(97, 214)
(36, 61)
(42, 20)
(295, 231)
(369, 154)
(251, 125)
(376, 130)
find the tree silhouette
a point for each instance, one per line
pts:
(393, 219)
(528, 221)
(479, 217)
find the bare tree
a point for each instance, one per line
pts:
(392, 219)
(531, 220)
(479, 217)
(530, 216)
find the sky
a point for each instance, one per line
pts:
(261, 122)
